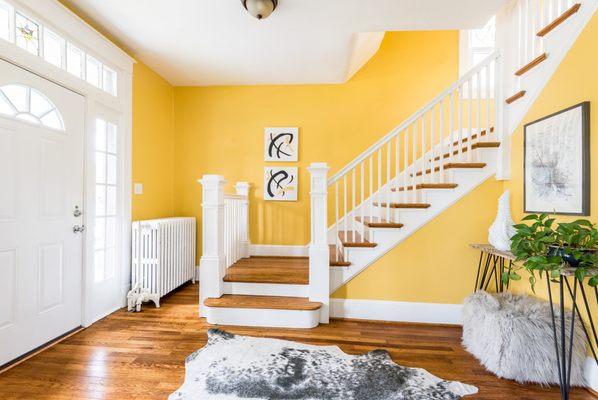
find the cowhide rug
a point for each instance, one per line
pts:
(232, 367)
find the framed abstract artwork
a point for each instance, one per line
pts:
(281, 144)
(280, 184)
(557, 163)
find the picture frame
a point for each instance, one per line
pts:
(556, 163)
(281, 183)
(281, 144)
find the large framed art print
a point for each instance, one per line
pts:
(557, 163)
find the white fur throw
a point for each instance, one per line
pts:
(512, 337)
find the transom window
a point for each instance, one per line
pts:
(37, 39)
(474, 46)
(27, 104)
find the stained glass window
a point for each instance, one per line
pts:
(27, 104)
(27, 34)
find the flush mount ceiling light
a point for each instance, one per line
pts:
(260, 8)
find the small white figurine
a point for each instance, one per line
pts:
(137, 296)
(501, 231)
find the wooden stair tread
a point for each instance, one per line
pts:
(456, 165)
(515, 97)
(263, 302)
(338, 260)
(562, 18)
(426, 186)
(404, 205)
(280, 270)
(534, 63)
(353, 239)
(477, 145)
(376, 223)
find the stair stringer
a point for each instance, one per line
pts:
(556, 44)
(413, 220)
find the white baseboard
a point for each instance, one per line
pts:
(590, 373)
(276, 250)
(396, 311)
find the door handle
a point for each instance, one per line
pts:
(78, 228)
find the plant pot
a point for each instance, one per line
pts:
(568, 258)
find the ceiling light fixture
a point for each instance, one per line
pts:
(260, 8)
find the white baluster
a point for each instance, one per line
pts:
(345, 209)
(212, 261)
(396, 181)
(413, 162)
(424, 162)
(405, 165)
(337, 222)
(371, 188)
(361, 204)
(379, 195)
(319, 269)
(470, 123)
(432, 145)
(441, 142)
(353, 208)
(388, 185)
(460, 122)
(242, 189)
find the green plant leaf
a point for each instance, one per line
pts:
(531, 217)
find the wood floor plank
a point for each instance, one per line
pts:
(281, 270)
(142, 355)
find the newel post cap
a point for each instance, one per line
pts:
(319, 167)
(212, 180)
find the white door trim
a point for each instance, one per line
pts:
(54, 15)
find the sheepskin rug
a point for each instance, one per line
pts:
(232, 367)
(512, 337)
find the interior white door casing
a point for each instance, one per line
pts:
(54, 15)
(41, 181)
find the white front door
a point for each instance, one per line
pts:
(41, 201)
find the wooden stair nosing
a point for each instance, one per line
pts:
(477, 145)
(353, 239)
(473, 137)
(532, 64)
(463, 165)
(404, 205)
(263, 302)
(382, 223)
(515, 97)
(559, 20)
(426, 186)
(337, 261)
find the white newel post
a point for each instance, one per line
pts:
(212, 263)
(319, 269)
(242, 189)
(503, 158)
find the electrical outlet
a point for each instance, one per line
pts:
(138, 188)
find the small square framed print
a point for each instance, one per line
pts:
(280, 184)
(281, 144)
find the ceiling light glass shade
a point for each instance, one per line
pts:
(260, 8)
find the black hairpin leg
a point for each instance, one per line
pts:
(493, 272)
(486, 267)
(554, 333)
(477, 277)
(588, 313)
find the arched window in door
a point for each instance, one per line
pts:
(28, 104)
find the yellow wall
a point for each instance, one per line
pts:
(153, 144)
(575, 81)
(219, 130)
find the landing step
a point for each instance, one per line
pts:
(278, 270)
(464, 165)
(338, 259)
(263, 311)
(478, 145)
(562, 18)
(378, 223)
(534, 63)
(515, 97)
(263, 302)
(426, 186)
(353, 239)
(404, 205)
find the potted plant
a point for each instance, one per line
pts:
(540, 247)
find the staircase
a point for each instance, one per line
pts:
(404, 180)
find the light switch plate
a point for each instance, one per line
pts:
(138, 188)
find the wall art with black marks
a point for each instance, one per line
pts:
(557, 162)
(281, 184)
(281, 144)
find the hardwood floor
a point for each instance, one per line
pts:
(141, 355)
(284, 270)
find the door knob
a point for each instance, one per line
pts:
(77, 212)
(78, 228)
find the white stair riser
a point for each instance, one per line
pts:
(263, 317)
(266, 289)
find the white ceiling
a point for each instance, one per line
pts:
(216, 42)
